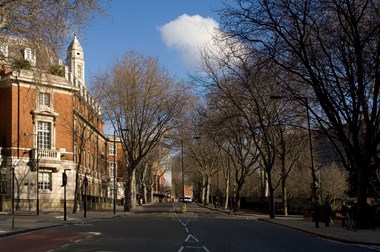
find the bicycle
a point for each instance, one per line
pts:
(350, 222)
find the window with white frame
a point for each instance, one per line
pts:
(112, 149)
(44, 180)
(112, 168)
(30, 56)
(44, 135)
(44, 99)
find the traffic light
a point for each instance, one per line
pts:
(64, 179)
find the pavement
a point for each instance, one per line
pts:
(26, 221)
(29, 221)
(334, 232)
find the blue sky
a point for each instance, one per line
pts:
(172, 30)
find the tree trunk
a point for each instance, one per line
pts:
(271, 196)
(130, 202)
(145, 194)
(18, 191)
(237, 197)
(151, 193)
(203, 191)
(227, 192)
(134, 190)
(208, 187)
(362, 197)
(284, 196)
(76, 191)
(264, 184)
(143, 185)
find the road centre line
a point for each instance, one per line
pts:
(190, 238)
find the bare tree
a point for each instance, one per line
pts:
(288, 154)
(46, 22)
(268, 126)
(299, 192)
(224, 163)
(151, 170)
(246, 86)
(332, 49)
(231, 136)
(223, 124)
(204, 153)
(83, 129)
(141, 100)
(333, 183)
(292, 142)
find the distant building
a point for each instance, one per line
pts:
(50, 125)
(159, 183)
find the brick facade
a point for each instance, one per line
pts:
(51, 123)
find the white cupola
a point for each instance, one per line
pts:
(75, 60)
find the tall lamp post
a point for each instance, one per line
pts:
(114, 172)
(37, 167)
(182, 162)
(182, 173)
(13, 194)
(313, 174)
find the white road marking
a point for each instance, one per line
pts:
(190, 236)
(191, 239)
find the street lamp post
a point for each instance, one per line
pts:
(37, 167)
(114, 172)
(13, 195)
(182, 163)
(313, 174)
(182, 173)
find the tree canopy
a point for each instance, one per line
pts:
(143, 102)
(45, 21)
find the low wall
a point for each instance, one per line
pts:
(337, 220)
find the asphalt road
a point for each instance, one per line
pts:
(159, 227)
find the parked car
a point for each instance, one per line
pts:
(188, 199)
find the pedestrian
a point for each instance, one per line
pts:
(344, 213)
(327, 213)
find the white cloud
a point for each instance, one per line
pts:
(188, 35)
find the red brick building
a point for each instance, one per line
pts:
(50, 125)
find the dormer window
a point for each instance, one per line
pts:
(30, 56)
(4, 51)
(44, 100)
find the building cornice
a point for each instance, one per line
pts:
(37, 78)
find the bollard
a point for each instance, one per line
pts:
(183, 208)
